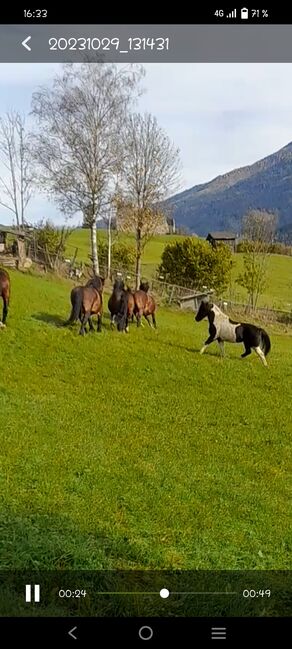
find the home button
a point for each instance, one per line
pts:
(145, 633)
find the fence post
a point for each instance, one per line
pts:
(171, 294)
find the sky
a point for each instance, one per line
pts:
(220, 116)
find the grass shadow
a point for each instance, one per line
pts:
(50, 318)
(192, 350)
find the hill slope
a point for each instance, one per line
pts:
(221, 203)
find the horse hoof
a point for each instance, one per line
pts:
(127, 330)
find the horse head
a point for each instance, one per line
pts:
(119, 285)
(96, 282)
(144, 286)
(204, 310)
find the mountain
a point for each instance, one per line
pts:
(221, 203)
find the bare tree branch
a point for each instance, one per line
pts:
(16, 185)
(149, 172)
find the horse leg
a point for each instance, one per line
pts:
(99, 321)
(139, 318)
(5, 310)
(154, 320)
(91, 327)
(246, 352)
(261, 355)
(84, 323)
(221, 345)
(208, 342)
(112, 325)
(147, 318)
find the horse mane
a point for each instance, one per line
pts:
(96, 282)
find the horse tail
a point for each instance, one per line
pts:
(76, 299)
(123, 311)
(265, 343)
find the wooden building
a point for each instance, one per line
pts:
(229, 238)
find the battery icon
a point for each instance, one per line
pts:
(244, 13)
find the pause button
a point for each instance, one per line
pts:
(32, 593)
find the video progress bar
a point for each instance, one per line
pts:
(164, 593)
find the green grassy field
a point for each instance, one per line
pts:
(132, 451)
(278, 292)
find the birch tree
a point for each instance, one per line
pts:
(76, 147)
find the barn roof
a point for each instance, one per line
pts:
(17, 233)
(222, 235)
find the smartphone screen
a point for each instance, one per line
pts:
(145, 327)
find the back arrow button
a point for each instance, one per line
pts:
(71, 633)
(24, 43)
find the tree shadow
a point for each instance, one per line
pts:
(50, 318)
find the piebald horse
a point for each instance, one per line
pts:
(222, 329)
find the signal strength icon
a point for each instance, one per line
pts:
(232, 14)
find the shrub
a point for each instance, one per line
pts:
(50, 240)
(276, 248)
(122, 255)
(194, 263)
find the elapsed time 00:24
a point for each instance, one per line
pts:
(72, 593)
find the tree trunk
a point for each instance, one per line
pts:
(138, 258)
(109, 253)
(94, 249)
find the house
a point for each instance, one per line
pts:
(165, 225)
(171, 225)
(229, 238)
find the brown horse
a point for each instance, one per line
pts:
(144, 305)
(126, 310)
(87, 301)
(121, 305)
(4, 293)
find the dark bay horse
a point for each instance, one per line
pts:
(126, 310)
(121, 305)
(144, 305)
(222, 329)
(4, 293)
(87, 301)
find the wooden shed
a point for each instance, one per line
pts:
(229, 238)
(15, 253)
(193, 300)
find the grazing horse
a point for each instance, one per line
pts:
(222, 329)
(144, 305)
(86, 301)
(4, 293)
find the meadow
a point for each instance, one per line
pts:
(133, 451)
(277, 293)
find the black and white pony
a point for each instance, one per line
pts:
(222, 329)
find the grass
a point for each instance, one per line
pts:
(136, 452)
(278, 292)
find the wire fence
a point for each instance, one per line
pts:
(164, 292)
